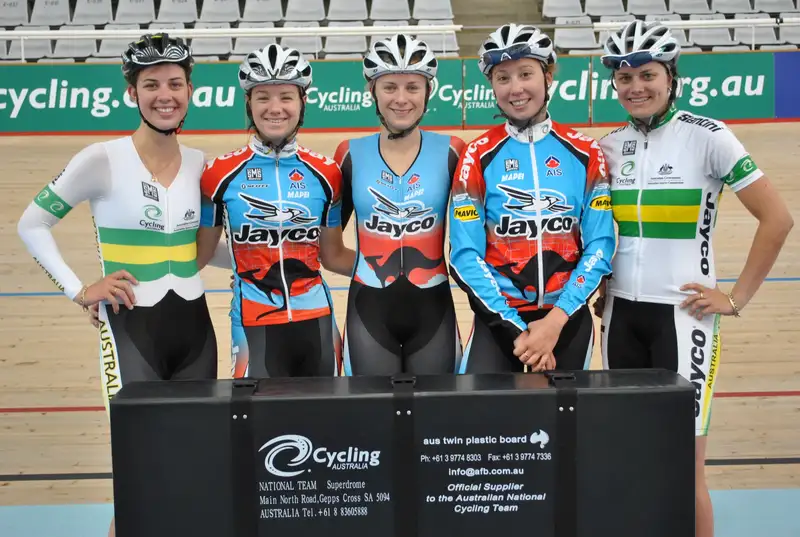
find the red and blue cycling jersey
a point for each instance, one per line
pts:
(531, 224)
(272, 208)
(401, 219)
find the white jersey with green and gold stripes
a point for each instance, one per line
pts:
(665, 191)
(141, 226)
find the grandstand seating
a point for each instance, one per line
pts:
(144, 14)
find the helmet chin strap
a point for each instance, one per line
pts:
(525, 123)
(408, 130)
(649, 123)
(166, 132)
(289, 138)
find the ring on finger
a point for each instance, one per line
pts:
(702, 295)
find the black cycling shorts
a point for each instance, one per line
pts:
(171, 340)
(492, 351)
(400, 328)
(637, 335)
(309, 348)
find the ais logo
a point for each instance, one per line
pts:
(553, 166)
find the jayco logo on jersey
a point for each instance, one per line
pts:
(276, 221)
(524, 206)
(593, 144)
(468, 159)
(408, 217)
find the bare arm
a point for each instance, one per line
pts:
(336, 257)
(774, 224)
(207, 243)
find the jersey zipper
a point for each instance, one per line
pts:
(167, 234)
(539, 257)
(640, 180)
(280, 238)
(403, 233)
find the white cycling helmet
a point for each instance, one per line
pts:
(274, 64)
(399, 54)
(638, 43)
(514, 42)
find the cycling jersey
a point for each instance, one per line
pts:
(400, 219)
(140, 225)
(400, 312)
(531, 225)
(665, 194)
(272, 208)
(149, 231)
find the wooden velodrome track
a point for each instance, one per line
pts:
(54, 440)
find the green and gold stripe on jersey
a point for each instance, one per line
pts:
(148, 255)
(665, 213)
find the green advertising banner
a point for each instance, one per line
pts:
(81, 97)
(93, 98)
(722, 86)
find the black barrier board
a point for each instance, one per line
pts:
(329, 473)
(466, 455)
(490, 470)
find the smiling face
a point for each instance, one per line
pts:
(643, 91)
(520, 87)
(276, 110)
(401, 99)
(163, 94)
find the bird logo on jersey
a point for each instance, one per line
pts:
(272, 214)
(412, 215)
(412, 210)
(549, 200)
(550, 204)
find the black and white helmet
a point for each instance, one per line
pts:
(399, 54)
(514, 42)
(640, 42)
(275, 64)
(154, 49)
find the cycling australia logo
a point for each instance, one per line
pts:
(290, 455)
(525, 206)
(396, 219)
(152, 218)
(273, 222)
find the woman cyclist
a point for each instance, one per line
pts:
(669, 167)
(144, 195)
(280, 205)
(400, 313)
(531, 229)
